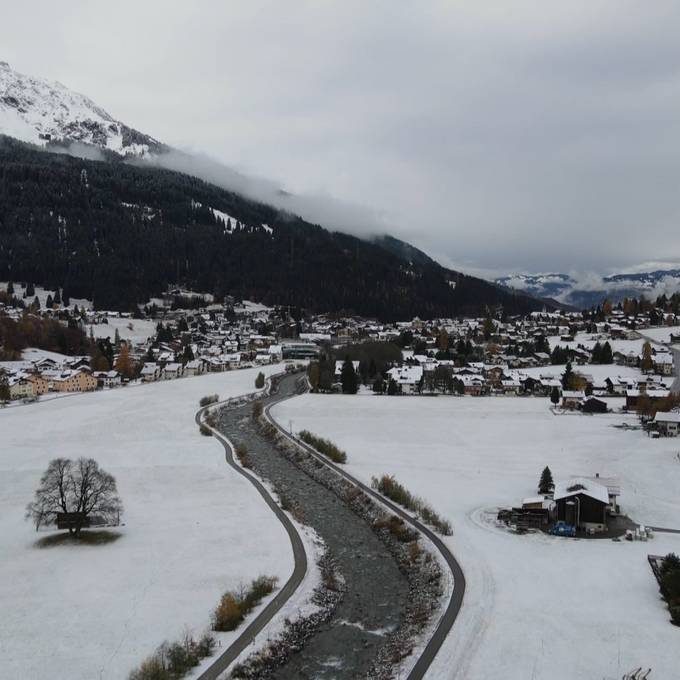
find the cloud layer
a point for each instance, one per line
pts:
(496, 136)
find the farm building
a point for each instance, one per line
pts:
(594, 405)
(582, 502)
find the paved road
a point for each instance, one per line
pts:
(376, 591)
(264, 617)
(455, 602)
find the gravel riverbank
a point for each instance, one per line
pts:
(391, 587)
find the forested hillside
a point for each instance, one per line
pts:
(119, 233)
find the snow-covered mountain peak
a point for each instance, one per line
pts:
(40, 111)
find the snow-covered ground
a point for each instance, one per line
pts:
(135, 330)
(193, 529)
(535, 606)
(42, 294)
(662, 334)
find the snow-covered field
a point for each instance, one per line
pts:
(42, 293)
(135, 330)
(535, 606)
(193, 529)
(662, 334)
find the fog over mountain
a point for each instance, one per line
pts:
(537, 138)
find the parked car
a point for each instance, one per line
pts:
(561, 528)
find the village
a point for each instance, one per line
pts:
(587, 362)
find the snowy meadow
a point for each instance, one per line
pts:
(535, 606)
(193, 529)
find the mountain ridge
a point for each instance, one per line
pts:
(118, 232)
(40, 111)
(593, 289)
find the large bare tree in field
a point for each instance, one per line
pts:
(80, 488)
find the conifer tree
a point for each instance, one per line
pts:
(646, 364)
(555, 395)
(567, 377)
(49, 303)
(348, 378)
(546, 484)
(597, 354)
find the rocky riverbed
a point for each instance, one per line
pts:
(391, 587)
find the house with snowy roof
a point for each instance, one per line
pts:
(408, 378)
(668, 424)
(572, 398)
(582, 502)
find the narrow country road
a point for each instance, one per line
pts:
(455, 603)
(376, 591)
(265, 616)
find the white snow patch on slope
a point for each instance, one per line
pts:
(36, 110)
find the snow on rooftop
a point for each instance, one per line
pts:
(581, 485)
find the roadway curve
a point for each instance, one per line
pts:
(455, 603)
(447, 619)
(224, 660)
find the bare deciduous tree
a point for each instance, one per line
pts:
(80, 487)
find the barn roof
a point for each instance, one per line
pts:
(581, 485)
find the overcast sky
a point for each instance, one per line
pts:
(498, 136)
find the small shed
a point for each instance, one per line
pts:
(594, 405)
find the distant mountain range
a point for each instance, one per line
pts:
(589, 290)
(91, 219)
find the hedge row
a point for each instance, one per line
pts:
(174, 660)
(328, 448)
(392, 489)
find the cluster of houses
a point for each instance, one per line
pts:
(193, 342)
(27, 380)
(471, 356)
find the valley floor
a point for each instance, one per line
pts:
(193, 529)
(536, 606)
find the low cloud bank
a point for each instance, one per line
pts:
(316, 208)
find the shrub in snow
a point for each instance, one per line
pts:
(328, 448)
(390, 487)
(235, 606)
(208, 399)
(174, 660)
